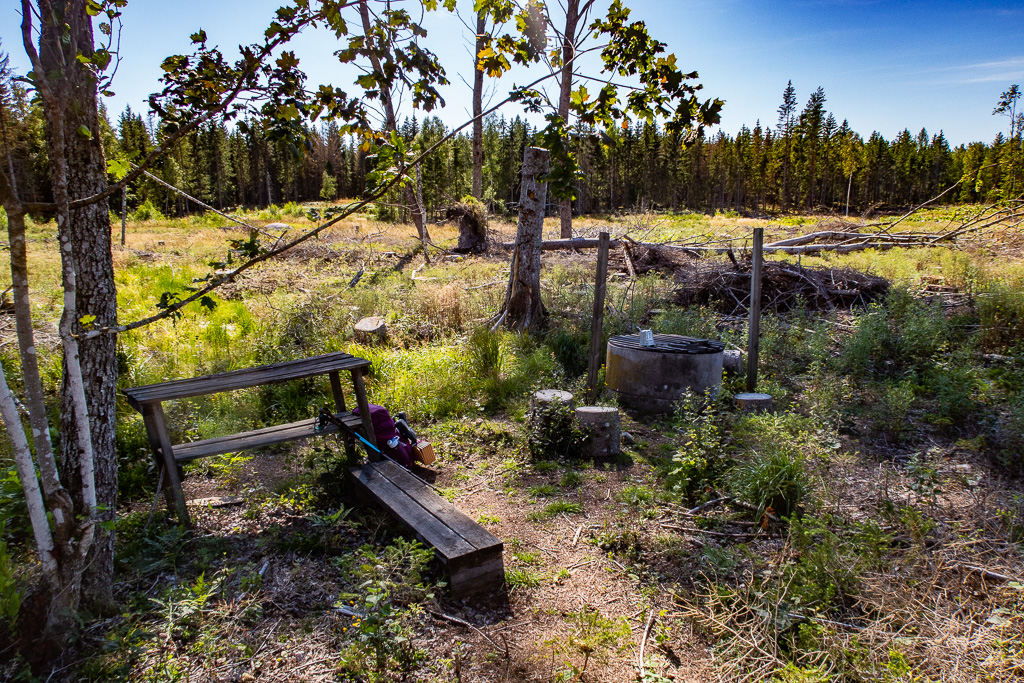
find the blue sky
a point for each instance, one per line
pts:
(884, 66)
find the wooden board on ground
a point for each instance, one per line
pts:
(472, 554)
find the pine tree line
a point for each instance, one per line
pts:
(807, 161)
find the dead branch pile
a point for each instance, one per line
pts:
(725, 286)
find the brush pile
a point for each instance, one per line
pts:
(725, 285)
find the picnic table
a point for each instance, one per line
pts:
(149, 400)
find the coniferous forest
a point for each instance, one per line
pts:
(806, 160)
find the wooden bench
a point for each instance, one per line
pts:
(471, 554)
(149, 399)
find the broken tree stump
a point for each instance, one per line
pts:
(732, 361)
(552, 425)
(600, 427)
(546, 397)
(370, 330)
(753, 403)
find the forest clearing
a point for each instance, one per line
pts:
(891, 465)
(407, 340)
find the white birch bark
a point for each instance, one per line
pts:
(29, 483)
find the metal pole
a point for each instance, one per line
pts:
(753, 340)
(600, 287)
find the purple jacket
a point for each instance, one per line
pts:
(384, 430)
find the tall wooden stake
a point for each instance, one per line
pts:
(124, 212)
(753, 340)
(600, 287)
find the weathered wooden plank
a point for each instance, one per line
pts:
(242, 379)
(477, 536)
(484, 577)
(268, 436)
(408, 510)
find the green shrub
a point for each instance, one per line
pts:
(271, 213)
(553, 433)
(771, 473)
(901, 334)
(689, 322)
(571, 349)
(1001, 316)
(827, 568)
(698, 460)
(592, 638)
(1009, 438)
(389, 581)
(892, 410)
(10, 594)
(956, 389)
(147, 211)
(13, 510)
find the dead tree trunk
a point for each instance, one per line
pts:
(478, 99)
(523, 309)
(572, 17)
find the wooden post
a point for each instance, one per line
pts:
(754, 334)
(600, 287)
(124, 212)
(339, 395)
(339, 406)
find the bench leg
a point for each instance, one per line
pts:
(364, 407)
(339, 406)
(160, 441)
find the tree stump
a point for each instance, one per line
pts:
(732, 361)
(600, 426)
(370, 330)
(553, 433)
(753, 403)
(545, 397)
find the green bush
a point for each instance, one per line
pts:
(901, 334)
(13, 511)
(10, 593)
(771, 473)
(147, 211)
(828, 565)
(1009, 438)
(698, 460)
(957, 392)
(892, 409)
(553, 433)
(1001, 316)
(571, 349)
(689, 322)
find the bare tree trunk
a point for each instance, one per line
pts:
(90, 370)
(124, 213)
(390, 121)
(478, 108)
(523, 309)
(572, 17)
(27, 474)
(422, 227)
